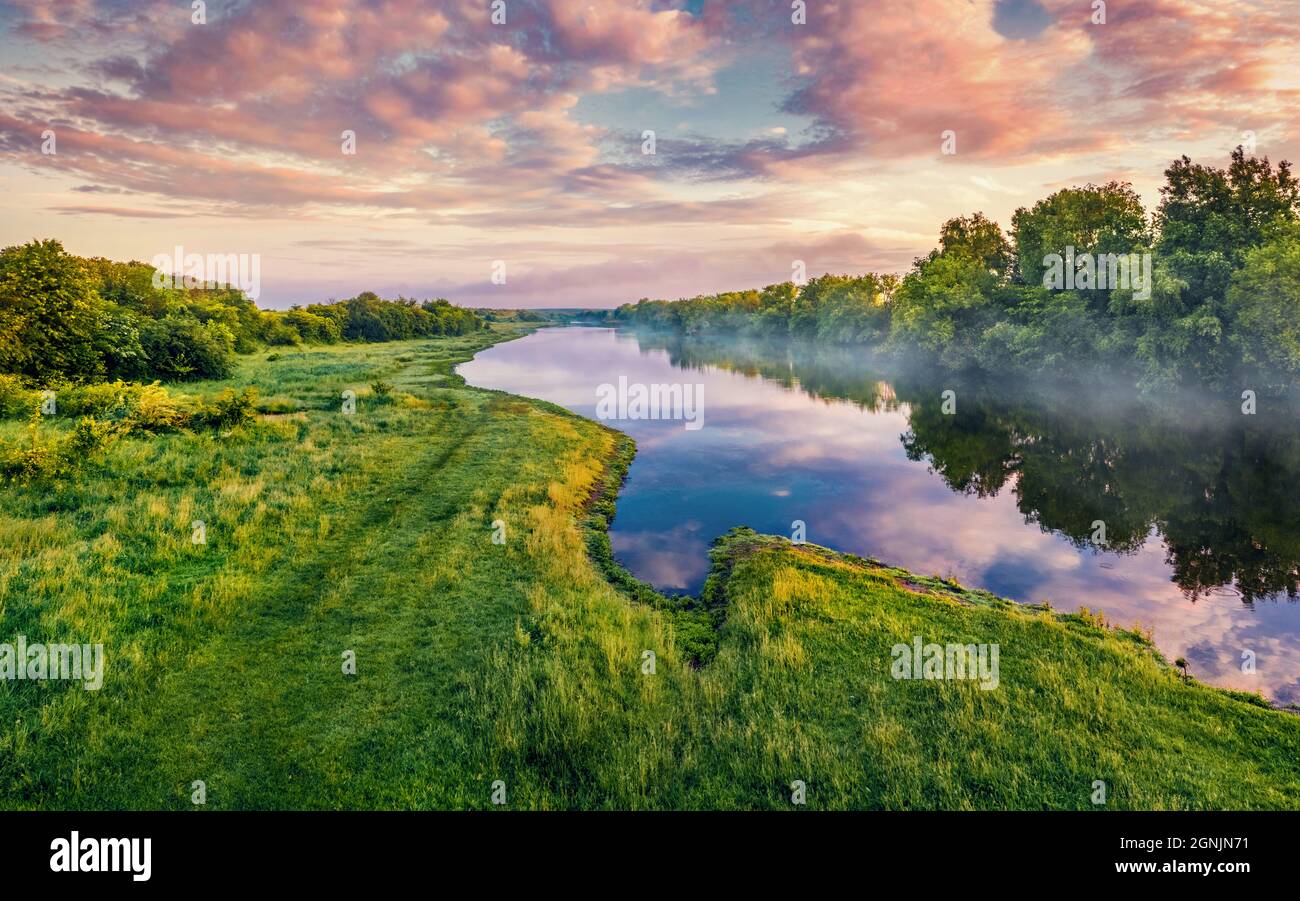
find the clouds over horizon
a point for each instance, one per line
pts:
(472, 135)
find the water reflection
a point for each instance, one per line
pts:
(1199, 502)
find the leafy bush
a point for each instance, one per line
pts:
(149, 408)
(56, 457)
(277, 332)
(228, 409)
(49, 313)
(181, 348)
(89, 437)
(15, 400)
(108, 399)
(312, 328)
(156, 410)
(36, 462)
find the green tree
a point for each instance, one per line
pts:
(978, 237)
(1264, 304)
(1209, 219)
(1091, 219)
(957, 292)
(1210, 213)
(49, 313)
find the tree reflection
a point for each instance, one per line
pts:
(1220, 489)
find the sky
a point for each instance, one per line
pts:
(783, 131)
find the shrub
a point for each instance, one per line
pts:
(180, 348)
(228, 409)
(57, 457)
(89, 437)
(312, 328)
(147, 408)
(107, 399)
(157, 411)
(277, 332)
(15, 400)
(39, 460)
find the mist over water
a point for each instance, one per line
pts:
(1201, 504)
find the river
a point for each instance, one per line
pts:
(1000, 487)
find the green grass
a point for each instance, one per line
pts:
(523, 661)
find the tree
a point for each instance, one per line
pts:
(979, 238)
(1091, 219)
(49, 313)
(948, 300)
(1210, 213)
(1264, 304)
(313, 328)
(1209, 220)
(180, 348)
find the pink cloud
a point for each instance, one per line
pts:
(480, 128)
(889, 77)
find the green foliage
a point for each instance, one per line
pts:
(181, 348)
(277, 331)
(1220, 304)
(833, 308)
(15, 398)
(945, 305)
(1208, 213)
(103, 413)
(89, 437)
(976, 238)
(1208, 222)
(64, 318)
(228, 409)
(49, 456)
(311, 328)
(1264, 302)
(134, 406)
(155, 410)
(536, 316)
(367, 317)
(49, 313)
(1106, 219)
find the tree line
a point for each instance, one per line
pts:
(1209, 287)
(64, 317)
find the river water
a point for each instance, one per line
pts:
(1000, 487)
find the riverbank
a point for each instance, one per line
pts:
(405, 606)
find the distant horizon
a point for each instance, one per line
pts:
(603, 153)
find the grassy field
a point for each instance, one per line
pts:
(524, 661)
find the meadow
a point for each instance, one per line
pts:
(518, 666)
